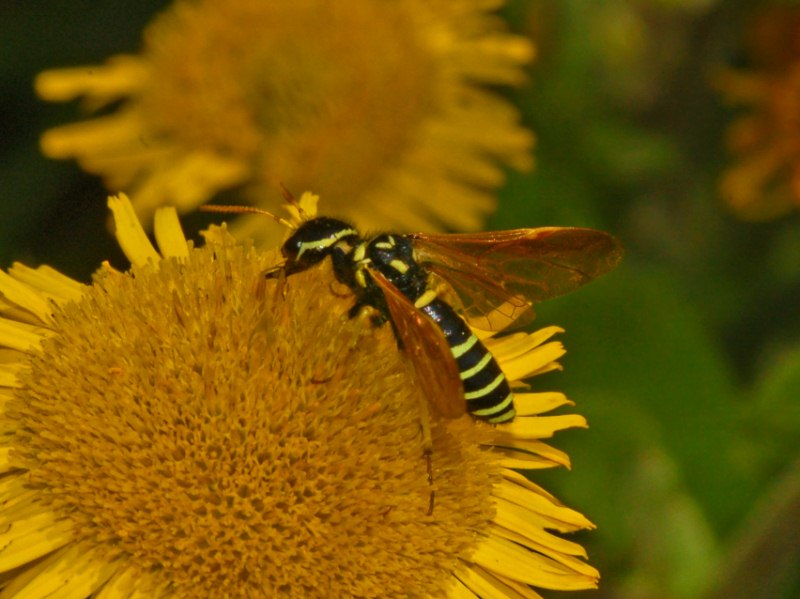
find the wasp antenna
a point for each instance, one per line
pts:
(246, 210)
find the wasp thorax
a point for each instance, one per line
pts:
(393, 257)
(386, 248)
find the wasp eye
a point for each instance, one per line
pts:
(290, 249)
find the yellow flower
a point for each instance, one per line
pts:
(382, 107)
(192, 429)
(765, 182)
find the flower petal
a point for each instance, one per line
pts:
(169, 234)
(131, 584)
(48, 281)
(130, 234)
(120, 76)
(534, 450)
(516, 562)
(20, 336)
(533, 404)
(488, 586)
(8, 374)
(73, 572)
(23, 296)
(26, 539)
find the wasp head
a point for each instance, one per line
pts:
(313, 241)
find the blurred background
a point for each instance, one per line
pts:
(686, 360)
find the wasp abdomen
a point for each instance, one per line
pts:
(486, 389)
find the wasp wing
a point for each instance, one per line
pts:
(435, 367)
(499, 275)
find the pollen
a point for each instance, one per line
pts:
(227, 435)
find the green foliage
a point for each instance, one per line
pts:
(686, 360)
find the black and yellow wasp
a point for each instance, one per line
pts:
(493, 279)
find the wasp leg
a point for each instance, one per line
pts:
(280, 272)
(356, 309)
(376, 317)
(378, 320)
(427, 447)
(432, 498)
(274, 272)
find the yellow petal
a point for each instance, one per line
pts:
(130, 584)
(17, 293)
(487, 586)
(20, 336)
(48, 281)
(8, 375)
(509, 559)
(535, 361)
(6, 395)
(541, 427)
(519, 344)
(533, 404)
(570, 562)
(108, 136)
(169, 235)
(122, 75)
(187, 181)
(459, 591)
(26, 539)
(512, 446)
(130, 234)
(529, 524)
(74, 572)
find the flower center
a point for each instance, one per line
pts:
(290, 90)
(237, 77)
(243, 437)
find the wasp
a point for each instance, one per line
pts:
(491, 281)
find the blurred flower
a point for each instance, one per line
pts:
(380, 106)
(192, 429)
(765, 182)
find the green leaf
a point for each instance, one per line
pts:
(634, 341)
